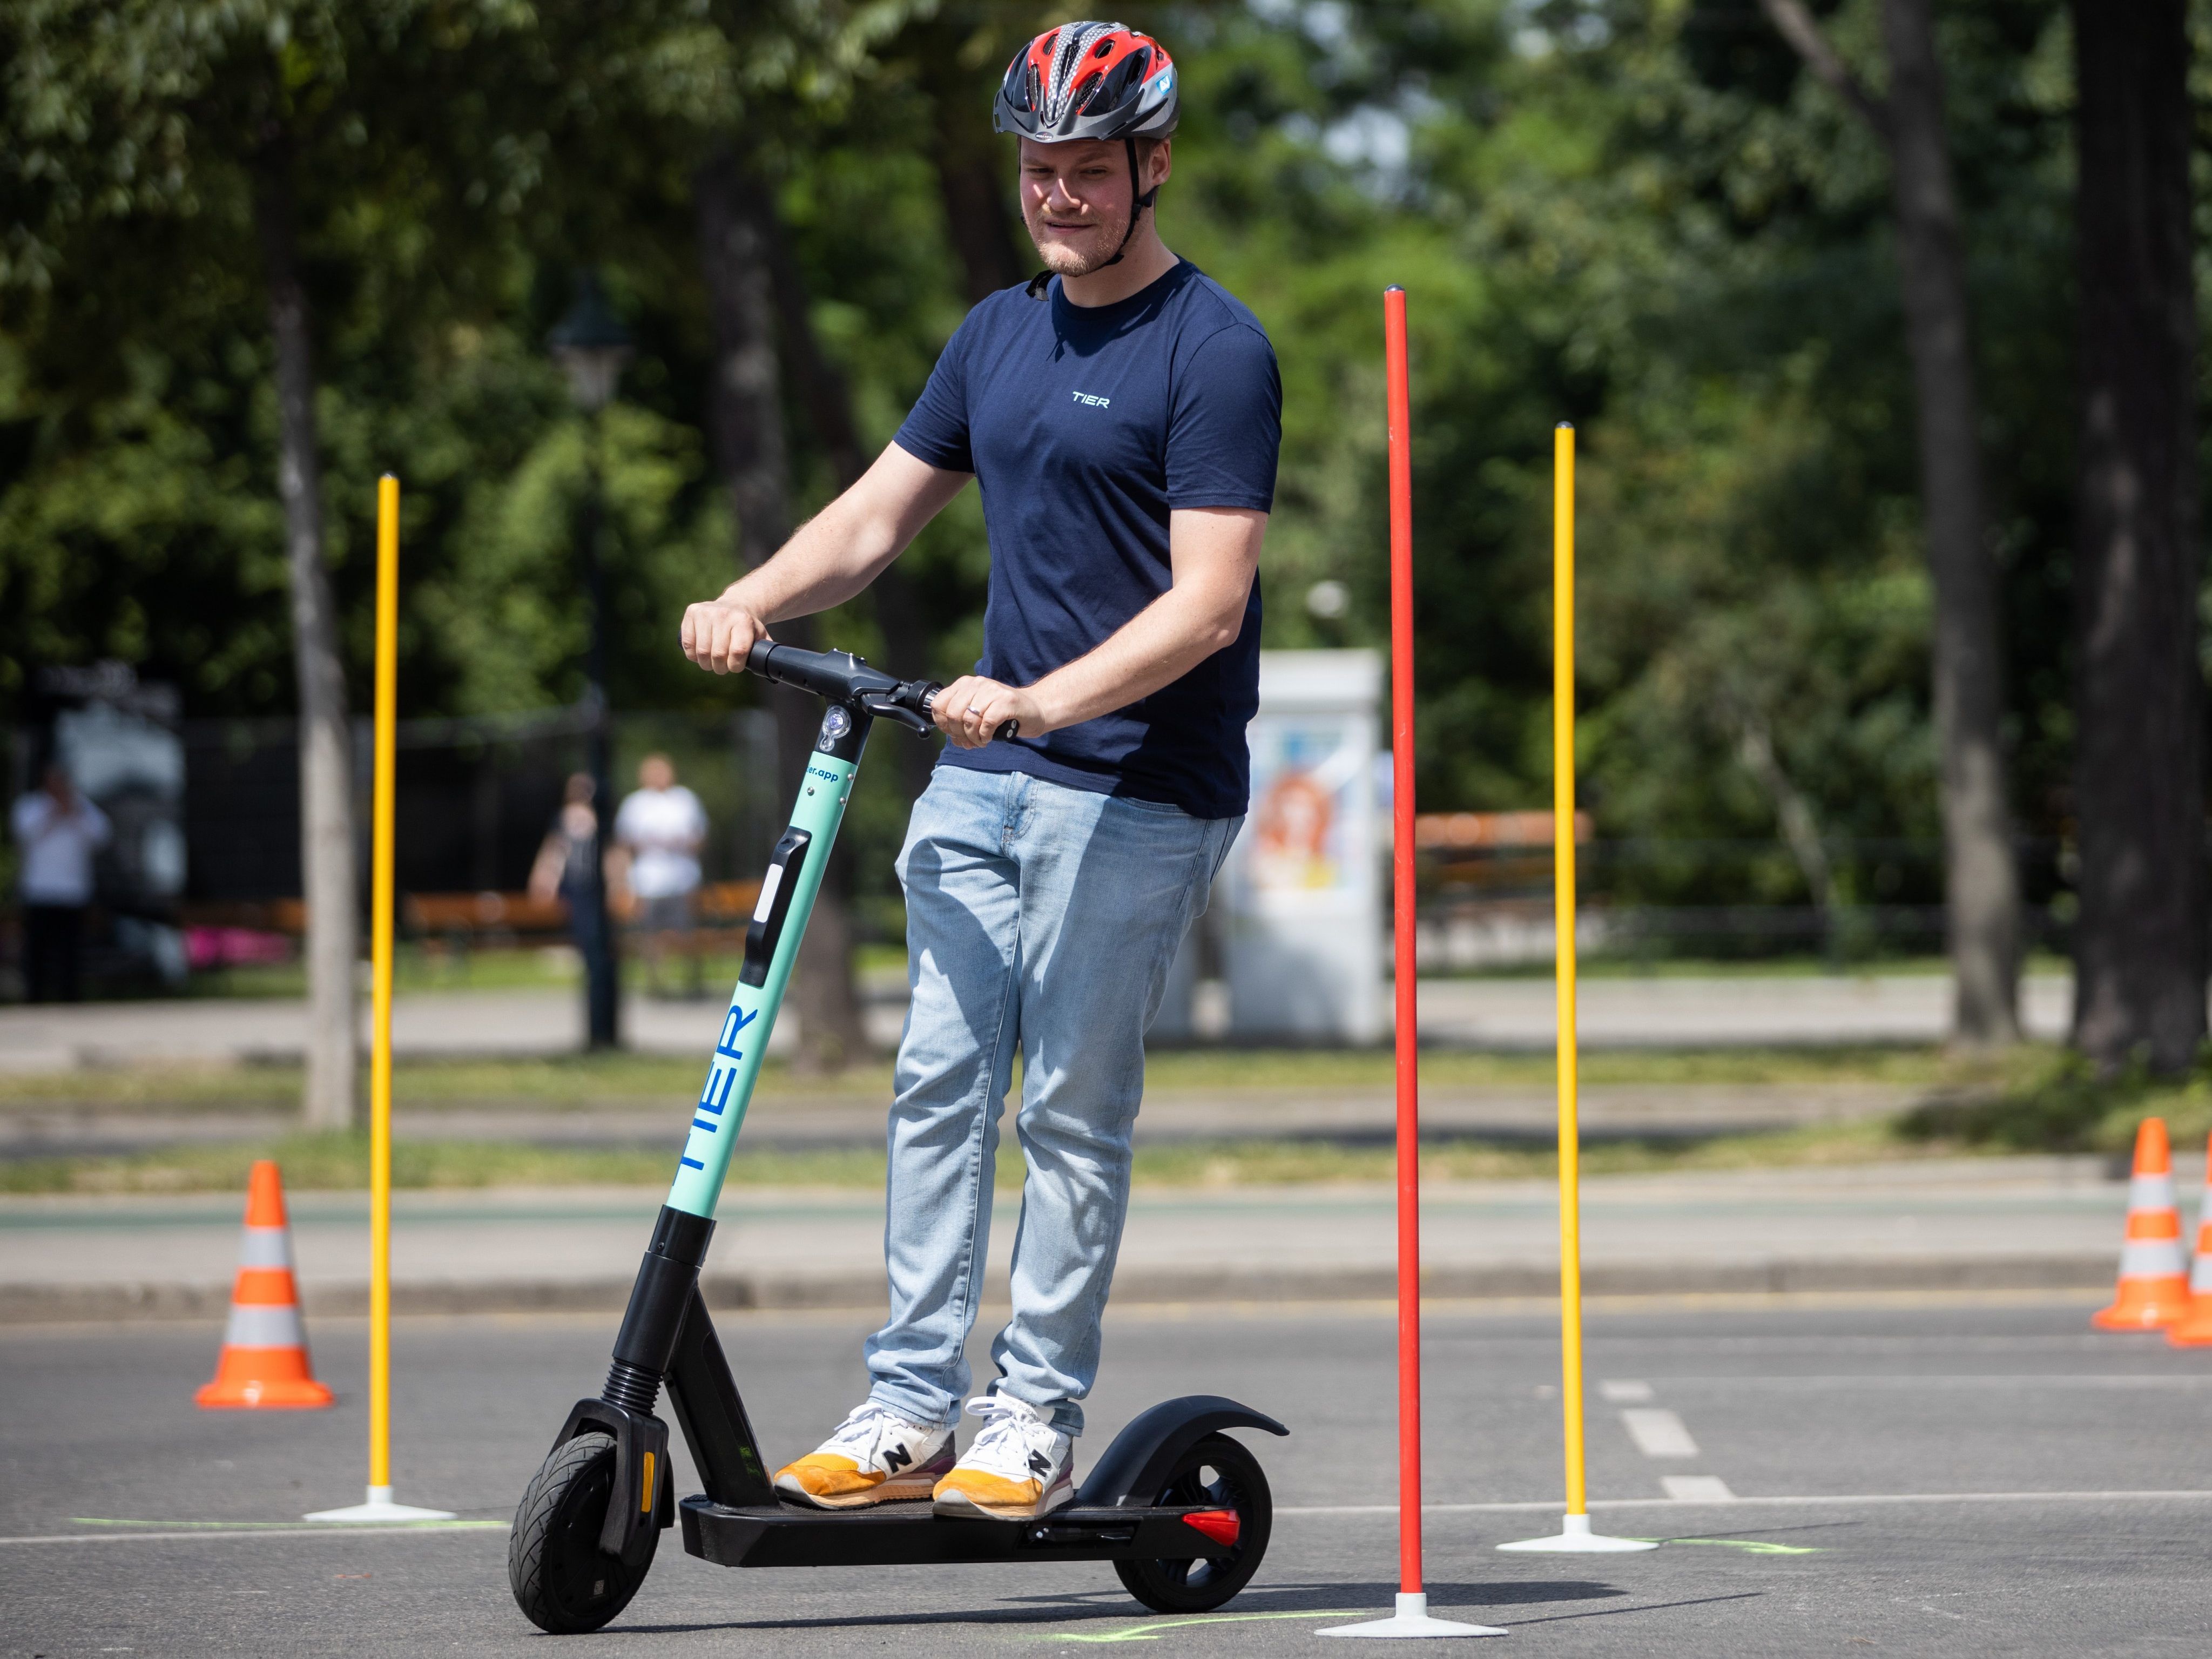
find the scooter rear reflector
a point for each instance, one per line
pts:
(1222, 1526)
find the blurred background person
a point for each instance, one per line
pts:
(661, 829)
(58, 832)
(563, 867)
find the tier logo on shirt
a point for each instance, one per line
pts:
(1094, 401)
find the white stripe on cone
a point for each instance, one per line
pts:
(2152, 1192)
(259, 1325)
(2152, 1258)
(265, 1247)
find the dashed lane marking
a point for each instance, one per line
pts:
(1696, 1488)
(1658, 1432)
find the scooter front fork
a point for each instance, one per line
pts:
(655, 1319)
(667, 1283)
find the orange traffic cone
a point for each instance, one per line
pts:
(2153, 1288)
(264, 1361)
(2194, 1330)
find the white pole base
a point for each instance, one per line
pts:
(1575, 1537)
(379, 1507)
(1412, 1619)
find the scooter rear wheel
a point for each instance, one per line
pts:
(561, 1582)
(1218, 1473)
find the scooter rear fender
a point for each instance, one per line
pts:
(1136, 1465)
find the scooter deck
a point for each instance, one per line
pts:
(784, 1535)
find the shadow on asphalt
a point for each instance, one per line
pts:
(1347, 1599)
(1643, 1607)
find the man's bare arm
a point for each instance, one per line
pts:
(1214, 554)
(830, 557)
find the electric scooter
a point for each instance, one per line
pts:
(1180, 1509)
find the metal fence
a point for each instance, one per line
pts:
(207, 847)
(1486, 904)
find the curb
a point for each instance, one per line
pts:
(33, 1304)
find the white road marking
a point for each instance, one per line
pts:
(1551, 1504)
(1526, 1506)
(325, 1531)
(1697, 1488)
(1658, 1432)
(1955, 1381)
(1623, 1392)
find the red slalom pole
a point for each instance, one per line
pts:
(1412, 1615)
(1399, 404)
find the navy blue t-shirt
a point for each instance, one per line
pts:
(1085, 425)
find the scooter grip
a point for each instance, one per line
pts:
(1006, 728)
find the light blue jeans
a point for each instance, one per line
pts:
(1046, 918)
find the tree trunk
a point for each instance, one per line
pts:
(327, 828)
(2140, 945)
(829, 402)
(1982, 878)
(975, 166)
(1981, 870)
(1801, 829)
(745, 421)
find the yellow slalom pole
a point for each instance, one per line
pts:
(1562, 906)
(380, 1506)
(1563, 919)
(379, 1037)
(1574, 1535)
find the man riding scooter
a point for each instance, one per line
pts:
(1122, 415)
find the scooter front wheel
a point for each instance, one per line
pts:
(561, 1581)
(1216, 1472)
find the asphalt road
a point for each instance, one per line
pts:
(1794, 1409)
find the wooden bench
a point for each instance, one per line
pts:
(458, 921)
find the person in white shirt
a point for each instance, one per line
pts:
(57, 832)
(662, 827)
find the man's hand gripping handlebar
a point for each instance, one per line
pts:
(843, 678)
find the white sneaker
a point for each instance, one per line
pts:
(1019, 1468)
(873, 1457)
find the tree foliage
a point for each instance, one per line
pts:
(1637, 215)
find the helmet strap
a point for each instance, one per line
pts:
(1138, 203)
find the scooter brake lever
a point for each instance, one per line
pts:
(885, 706)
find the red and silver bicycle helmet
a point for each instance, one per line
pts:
(1090, 81)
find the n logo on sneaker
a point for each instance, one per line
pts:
(1040, 1464)
(896, 1458)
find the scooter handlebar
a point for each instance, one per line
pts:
(1006, 728)
(843, 678)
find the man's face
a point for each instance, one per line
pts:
(1077, 198)
(656, 773)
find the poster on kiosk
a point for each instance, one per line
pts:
(1295, 927)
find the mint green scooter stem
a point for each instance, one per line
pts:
(751, 1015)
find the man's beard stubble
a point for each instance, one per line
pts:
(1064, 261)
